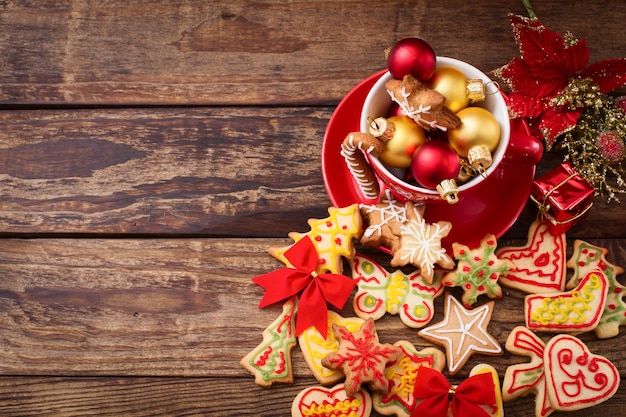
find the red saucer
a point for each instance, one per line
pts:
(490, 209)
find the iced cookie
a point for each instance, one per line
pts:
(361, 358)
(379, 218)
(315, 347)
(578, 310)
(380, 292)
(353, 149)
(270, 361)
(401, 374)
(332, 236)
(587, 258)
(477, 271)
(324, 402)
(420, 244)
(462, 333)
(539, 266)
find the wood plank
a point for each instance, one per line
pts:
(172, 307)
(237, 52)
(183, 171)
(115, 396)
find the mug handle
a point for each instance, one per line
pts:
(524, 149)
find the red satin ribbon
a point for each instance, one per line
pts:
(317, 289)
(438, 395)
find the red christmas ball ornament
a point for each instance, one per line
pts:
(435, 165)
(412, 56)
(611, 146)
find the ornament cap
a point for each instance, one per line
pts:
(447, 189)
(479, 158)
(380, 128)
(475, 90)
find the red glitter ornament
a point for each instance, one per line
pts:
(611, 146)
(434, 164)
(412, 56)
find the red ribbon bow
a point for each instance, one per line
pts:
(438, 395)
(317, 289)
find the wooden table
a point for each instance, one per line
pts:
(151, 153)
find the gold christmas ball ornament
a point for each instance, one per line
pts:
(452, 84)
(405, 137)
(478, 127)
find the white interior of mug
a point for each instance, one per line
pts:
(378, 101)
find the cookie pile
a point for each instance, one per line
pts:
(358, 374)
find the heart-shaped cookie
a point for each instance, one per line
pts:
(575, 377)
(322, 402)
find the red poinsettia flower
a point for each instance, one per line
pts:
(548, 63)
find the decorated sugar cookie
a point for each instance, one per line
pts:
(462, 333)
(315, 347)
(420, 244)
(539, 266)
(361, 358)
(381, 292)
(401, 374)
(270, 361)
(477, 271)
(578, 310)
(332, 236)
(324, 402)
(380, 217)
(477, 396)
(587, 258)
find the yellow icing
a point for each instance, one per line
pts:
(328, 409)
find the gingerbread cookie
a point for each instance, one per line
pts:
(578, 310)
(379, 218)
(315, 347)
(587, 258)
(353, 149)
(401, 373)
(381, 292)
(563, 373)
(270, 361)
(539, 266)
(422, 104)
(462, 333)
(335, 401)
(332, 236)
(478, 395)
(420, 243)
(478, 270)
(361, 358)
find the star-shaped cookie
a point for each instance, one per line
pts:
(462, 333)
(361, 358)
(420, 244)
(422, 104)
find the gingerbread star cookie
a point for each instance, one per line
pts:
(361, 358)
(420, 243)
(379, 218)
(332, 237)
(462, 333)
(587, 258)
(478, 270)
(539, 266)
(422, 104)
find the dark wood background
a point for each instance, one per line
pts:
(152, 151)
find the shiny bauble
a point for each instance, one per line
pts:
(434, 162)
(478, 127)
(412, 56)
(407, 136)
(452, 84)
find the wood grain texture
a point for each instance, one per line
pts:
(237, 52)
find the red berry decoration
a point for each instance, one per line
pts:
(611, 146)
(412, 56)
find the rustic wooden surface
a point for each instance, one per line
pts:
(151, 152)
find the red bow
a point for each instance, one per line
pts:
(438, 395)
(317, 289)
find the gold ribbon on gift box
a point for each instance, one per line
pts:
(544, 207)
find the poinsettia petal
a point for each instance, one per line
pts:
(609, 74)
(521, 105)
(557, 120)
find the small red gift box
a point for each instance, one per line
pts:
(563, 197)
